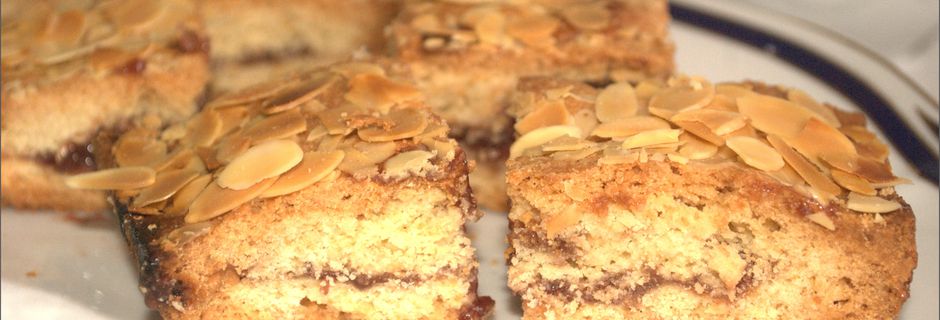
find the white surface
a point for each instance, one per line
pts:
(84, 271)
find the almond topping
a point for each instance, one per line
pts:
(853, 182)
(873, 171)
(719, 122)
(406, 123)
(822, 219)
(585, 120)
(575, 155)
(695, 148)
(817, 140)
(298, 95)
(232, 118)
(358, 164)
(113, 179)
(336, 119)
(810, 173)
(694, 95)
(203, 130)
(176, 160)
(617, 101)
(825, 113)
(65, 28)
(541, 136)
(278, 126)
(534, 30)
(215, 200)
(260, 162)
(377, 151)
(167, 183)
(185, 196)
(130, 151)
(315, 166)
(651, 137)
(701, 131)
(351, 69)
(862, 203)
(566, 143)
(412, 162)
(775, 116)
(629, 126)
(135, 13)
(550, 114)
(250, 94)
(591, 17)
(379, 93)
(231, 147)
(756, 153)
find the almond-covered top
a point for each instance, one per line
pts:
(817, 149)
(577, 32)
(57, 38)
(274, 139)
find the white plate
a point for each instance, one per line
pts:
(53, 267)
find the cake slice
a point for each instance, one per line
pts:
(693, 200)
(253, 41)
(467, 57)
(335, 194)
(71, 69)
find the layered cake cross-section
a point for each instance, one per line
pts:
(467, 56)
(334, 194)
(73, 68)
(693, 200)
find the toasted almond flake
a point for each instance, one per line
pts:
(644, 91)
(756, 153)
(696, 94)
(549, 114)
(178, 159)
(643, 156)
(351, 69)
(406, 123)
(108, 58)
(260, 162)
(694, 148)
(133, 14)
(825, 113)
(314, 167)
(774, 115)
(873, 171)
(541, 136)
(215, 200)
(185, 195)
(722, 103)
(733, 91)
(167, 183)
(629, 126)
(203, 129)
(250, 94)
(329, 143)
(611, 159)
(891, 183)
(335, 119)
(787, 175)
(677, 158)
(358, 164)
(818, 140)
(566, 143)
(232, 118)
(590, 16)
(701, 131)
(231, 147)
(853, 182)
(534, 30)
(445, 148)
(585, 120)
(278, 126)
(617, 101)
(822, 219)
(410, 162)
(805, 169)
(435, 129)
(863, 203)
(379, 93)
(173, 132)
(293, 97)
(377, 151)
(113, 179)
(651, 137)
(316, 133)
(65, 28)
(657, 157)
(719, 122)
(575, 155)
(131, 151)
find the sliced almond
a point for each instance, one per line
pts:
(109, 58)
(612, 159)
(377, 151)
(695, 148)
(135, 14)
(279, 126)
(250, 94)
(65, 28)
(329, 143)
(825, 113)
(358, 164)
(774, 115)
(694, 95)
(756, 153)
(589, 16)
(113, 179)
(130, 151)
(203, 129)
(701, 131)
(232, 118)
(406, 163)
(575, 155)
(316, 133)
(336, 119)
(586, 120)
(379, 93)
(651, 137)
(817, 140)
(215, 200)
(788, 176)
(862, 203)
(541, 136)
(873, 171)
(677, 158)
(534, 30)
(804, 168)
(351, 69)
(617, 101)
(853, 182)
(231, 147)
(185, 195)
(167, 183)
(566, 143)
(549, 114)
(406, 123)
(629, 126)
(719, 122)
(315, 166)
(891, 183)
(260, 162)
(822, 219)
(293, 97)
(733, 91)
